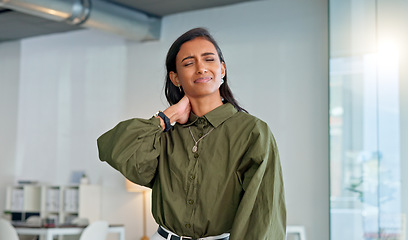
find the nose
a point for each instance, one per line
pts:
(201, 68)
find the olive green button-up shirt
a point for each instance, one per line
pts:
(232, 183)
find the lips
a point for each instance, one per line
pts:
(203, 80)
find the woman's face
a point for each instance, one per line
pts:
(199, 69)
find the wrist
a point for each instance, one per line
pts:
(172, 115)
(165, 121)
(167, 125)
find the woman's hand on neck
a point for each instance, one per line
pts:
(178, 112)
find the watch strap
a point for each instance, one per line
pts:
(166, 120)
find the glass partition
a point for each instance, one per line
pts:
(368, 119)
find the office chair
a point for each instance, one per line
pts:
(95, 231)
(7, 231)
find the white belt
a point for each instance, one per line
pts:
(222, 236)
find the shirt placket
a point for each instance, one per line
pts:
(191, 201)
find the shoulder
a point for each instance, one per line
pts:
(255, 127)
(250, 121)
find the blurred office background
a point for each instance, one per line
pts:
(327, 76)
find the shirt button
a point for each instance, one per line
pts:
(191, 201)
(188, 225)
(196, 155)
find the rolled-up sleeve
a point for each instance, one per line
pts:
(261, 213)
(132, 147)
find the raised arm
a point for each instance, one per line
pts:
(132, 147)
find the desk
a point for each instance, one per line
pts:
(50, 233)
(299, 231)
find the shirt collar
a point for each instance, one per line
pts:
(214, 117)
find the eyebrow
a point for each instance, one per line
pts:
(204, 54)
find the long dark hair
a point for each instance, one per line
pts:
(173, 93)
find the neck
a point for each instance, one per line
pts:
(202, 106)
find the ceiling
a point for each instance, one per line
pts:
(16, 25)
(166, 7)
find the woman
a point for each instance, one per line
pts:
(214, 169)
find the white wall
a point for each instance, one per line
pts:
(74, 86)
(68, 82)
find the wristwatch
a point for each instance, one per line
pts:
(167, 124)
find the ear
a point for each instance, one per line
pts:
(174, 78)
(222, 69)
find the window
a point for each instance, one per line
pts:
(368, 106)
